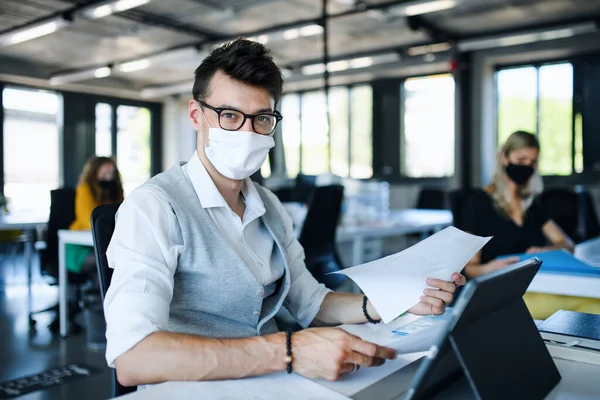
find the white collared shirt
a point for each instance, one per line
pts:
(146, 245)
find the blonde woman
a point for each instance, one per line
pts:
(508, 210)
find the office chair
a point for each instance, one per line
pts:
(589, 217)
(103, 226)
(432, 199)
(62, 213)
(563, 207)
(458, 200)
(304, 188)
(318, 235)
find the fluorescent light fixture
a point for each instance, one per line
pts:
(355, 63)
(313, 69)
(61, 79)
(304, 31)
(109, 7)
(151, 92)
(428, 7)
(102, 72)
(429, 48)
(32, 31)
(136, 65)
(291, 34)
(311, 30)
(362, 62)
(286, 72)
(526, 37)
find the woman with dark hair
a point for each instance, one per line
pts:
(99, 183)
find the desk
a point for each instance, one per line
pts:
(579, 381)
(67, 237)
(572, 285)
(400, 222)
(28, 223)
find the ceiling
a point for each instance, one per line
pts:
(174, 35)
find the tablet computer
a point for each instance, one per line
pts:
(492, 341)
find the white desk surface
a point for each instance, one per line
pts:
(21, 221)
(76, 237)
(399, 222)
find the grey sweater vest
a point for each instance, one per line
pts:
(215, 294)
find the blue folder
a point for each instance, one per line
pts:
(560, 262)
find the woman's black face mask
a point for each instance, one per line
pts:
(519, 174)
(110, 184)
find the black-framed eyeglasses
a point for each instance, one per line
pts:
(231, 119)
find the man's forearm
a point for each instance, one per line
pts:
(344, 308)
(168, 356)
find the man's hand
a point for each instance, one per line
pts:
(435, 301)
(329, 353)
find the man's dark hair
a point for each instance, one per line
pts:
(244, 60)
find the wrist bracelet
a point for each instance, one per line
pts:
(288, 350)
(367, 316)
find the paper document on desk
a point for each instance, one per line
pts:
(267, 387)
(395, 283)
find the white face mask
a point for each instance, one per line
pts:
(237, 154)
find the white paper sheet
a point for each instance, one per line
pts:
(351, 384)
(268, 387)
(395, 283)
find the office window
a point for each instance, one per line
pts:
(427, 142)
(306, 136)
(103, 130)
(314, 136)
(290, 133)
(133, 145)
(31, 148)
(517, 109)
(338, 111)
(539, 100)
(556, 119)
(361, 149)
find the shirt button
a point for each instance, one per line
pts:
(260, 292)
(260, 264)
(256, 313)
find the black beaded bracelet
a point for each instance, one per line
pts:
(367, 316)
(288, 350)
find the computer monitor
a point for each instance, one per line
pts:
(491, 340)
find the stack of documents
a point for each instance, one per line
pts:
(394, 284)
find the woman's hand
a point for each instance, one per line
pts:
(435, 301)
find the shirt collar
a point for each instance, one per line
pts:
(209, 195)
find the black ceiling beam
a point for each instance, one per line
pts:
(400, 50)
(419, 23)
(593, 18)
(151, 19)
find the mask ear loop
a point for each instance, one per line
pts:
(206, 119)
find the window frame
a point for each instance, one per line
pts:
(300, 94)
(575, 108)
(69, 168)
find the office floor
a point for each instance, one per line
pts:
(22, 353)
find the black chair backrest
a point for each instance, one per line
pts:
(103, 226)
(304, 188)
(589, 216)
(458, 200)
(62, 214)
(562, 205)
(432, 199)
(318, 235)
(318, 231)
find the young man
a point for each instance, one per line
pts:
(203, 259)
